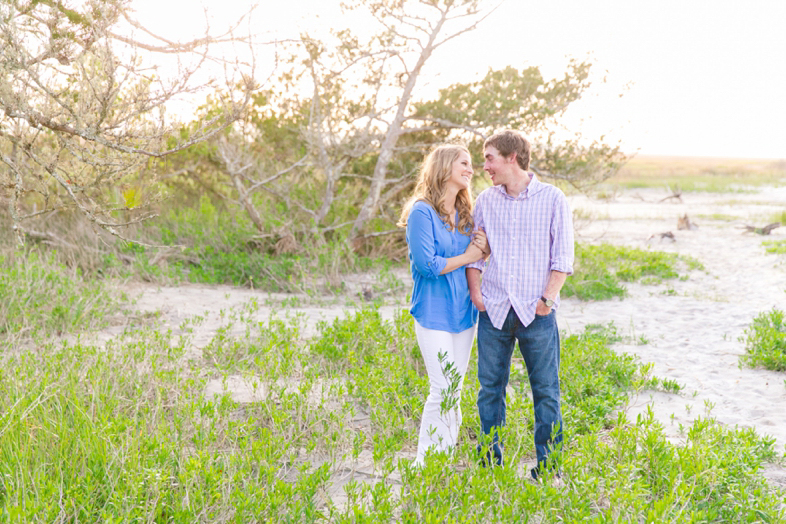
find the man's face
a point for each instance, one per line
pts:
(497, 166)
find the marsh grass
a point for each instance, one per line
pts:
(40, 296)
(765, 341)
(716, 175)
(601, 270)
(130, 432)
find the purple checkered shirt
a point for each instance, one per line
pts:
(530, 236)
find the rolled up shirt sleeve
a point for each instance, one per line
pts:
(477, 217)
(562, 246)
(422, 245)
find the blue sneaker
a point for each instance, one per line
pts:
(537, 476)
(486, 459)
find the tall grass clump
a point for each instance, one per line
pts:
(263, 425)
(601, 270)
(205, 241)
(40, 297)
(765, 341)
(222, 246)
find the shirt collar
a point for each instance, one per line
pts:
(533, 187)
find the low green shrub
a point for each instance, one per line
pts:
(595, 380)
(664, 384)
(765, 341)
(600, 270)
(321, 430)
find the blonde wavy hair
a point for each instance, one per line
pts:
(432, 182)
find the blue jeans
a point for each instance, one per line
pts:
(539, 345)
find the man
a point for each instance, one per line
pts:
(530, 232)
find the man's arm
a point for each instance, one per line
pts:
(553, 287)
(473, 281)
(561, 252)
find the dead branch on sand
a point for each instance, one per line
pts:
(676, 194)
(668, 235)
(766, 230)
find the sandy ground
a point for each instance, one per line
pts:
(692, 332)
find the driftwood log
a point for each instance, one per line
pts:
(766, 230)
(668, 235)
(684, 222)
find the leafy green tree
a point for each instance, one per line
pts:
(524, 100)
(356, 126)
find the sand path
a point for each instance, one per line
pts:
(694, 334)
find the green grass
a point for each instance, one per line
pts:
(40, 297)
(128, 433)
(765, 341)
(777, 247)
(601, 270)
(699, 184)
(723, 217)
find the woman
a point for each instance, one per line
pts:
(438, 218)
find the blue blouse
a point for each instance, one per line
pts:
(439, 302)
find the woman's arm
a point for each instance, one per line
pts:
(472, 254)
(422, 246)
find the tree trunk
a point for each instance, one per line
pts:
(370, 205)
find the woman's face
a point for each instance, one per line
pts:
(461, 172)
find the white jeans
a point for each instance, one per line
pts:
(446, 356)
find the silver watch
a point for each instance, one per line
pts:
(547, 301)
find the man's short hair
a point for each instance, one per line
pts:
(508, 142)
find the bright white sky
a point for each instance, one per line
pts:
(698, 77)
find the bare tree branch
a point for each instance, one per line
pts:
(443, 124)
(84, 112)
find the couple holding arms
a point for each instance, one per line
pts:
(519, 236)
